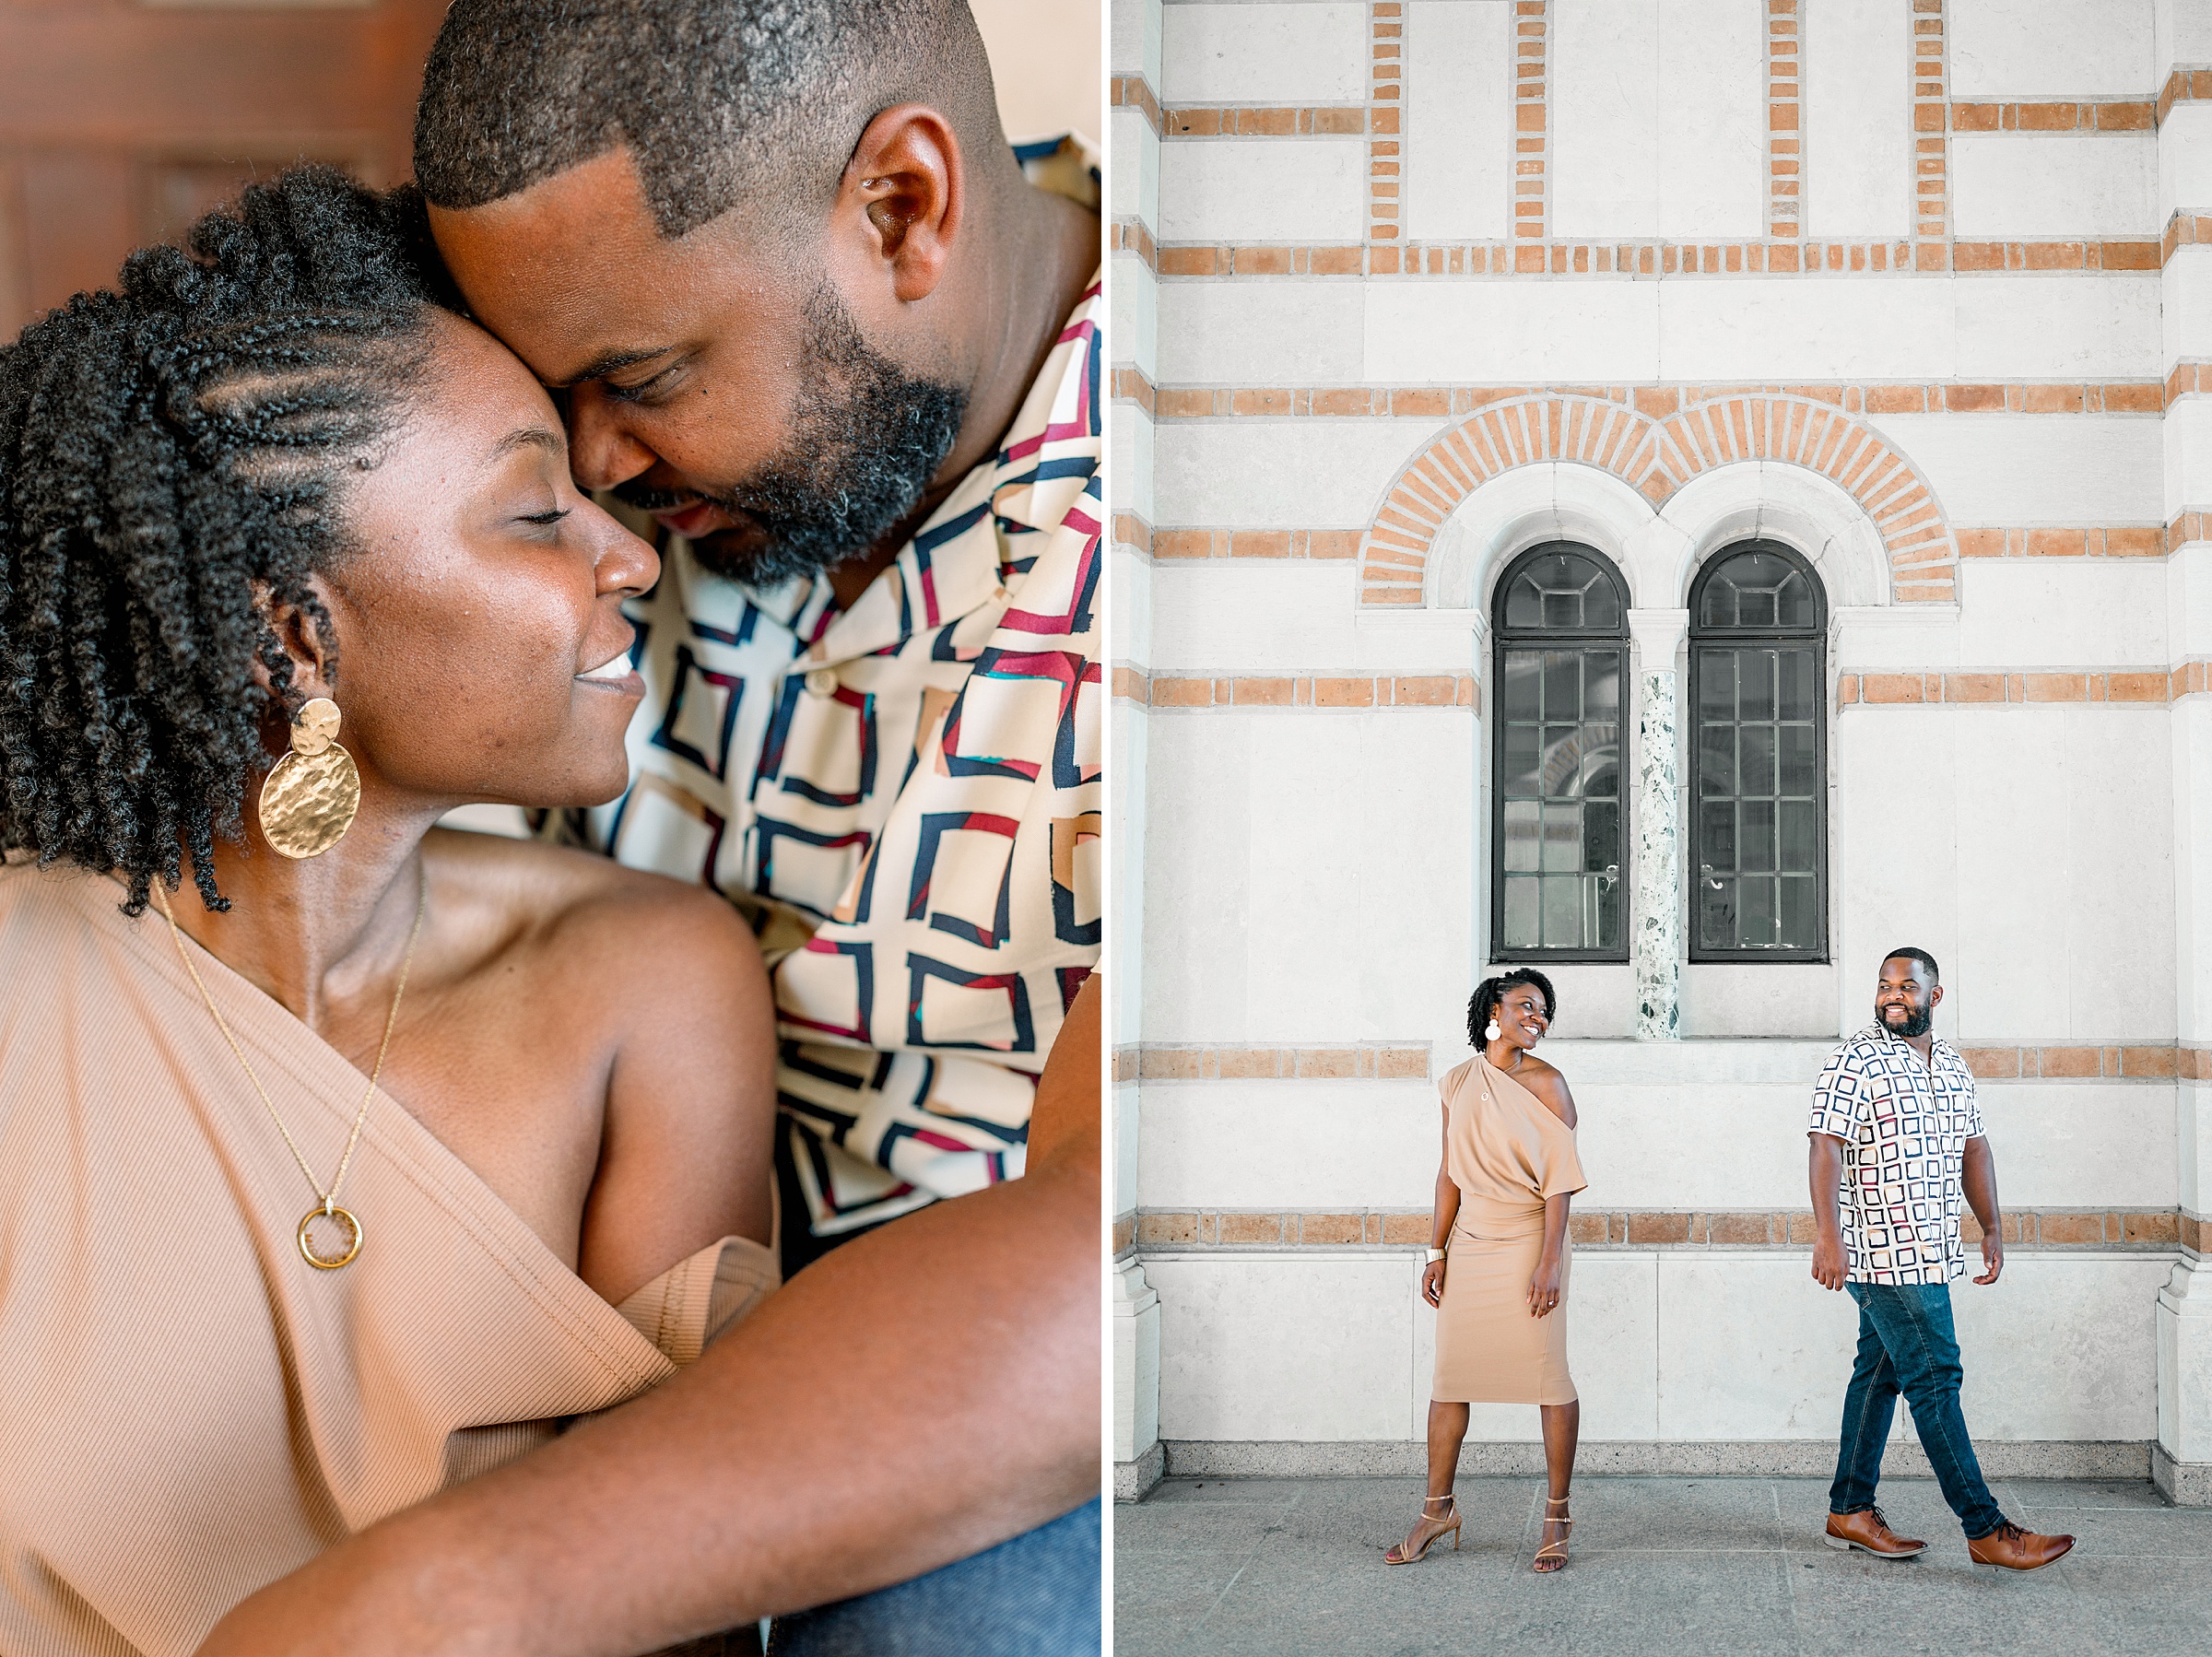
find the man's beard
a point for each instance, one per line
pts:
(866, 438)
(1917, 1020)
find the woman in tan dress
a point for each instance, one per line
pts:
(1499, 1255)
(341, 1158)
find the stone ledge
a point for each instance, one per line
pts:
(1132, 1480)
(2183, 1484)
(1753, 1458)
(2148, 1230)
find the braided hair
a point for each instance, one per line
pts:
(1486, 993)
(172, 457)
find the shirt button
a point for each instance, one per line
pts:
(821, 681)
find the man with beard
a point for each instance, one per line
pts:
(1895, 1120)
(815, 319)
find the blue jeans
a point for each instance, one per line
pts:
(1906, 1344)
(1036, 1595)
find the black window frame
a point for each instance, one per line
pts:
(1502, 638)
(1815, 637)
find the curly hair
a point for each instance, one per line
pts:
(1486, 993)
(172, 461)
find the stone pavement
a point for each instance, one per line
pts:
(1734, 1567)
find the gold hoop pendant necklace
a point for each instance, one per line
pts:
(326, 1206)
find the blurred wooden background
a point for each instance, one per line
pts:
(121, 121)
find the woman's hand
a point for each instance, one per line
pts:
(1432, 1283)
(1544, 1287)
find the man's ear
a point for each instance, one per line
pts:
(905, 190)
(1934, 996)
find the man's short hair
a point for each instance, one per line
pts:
(1922, 955)
(716, 100)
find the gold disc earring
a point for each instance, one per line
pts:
(308, 801)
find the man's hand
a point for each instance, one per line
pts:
(1829, 1262)
(1993, 1256)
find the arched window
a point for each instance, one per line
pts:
(1758, 822)
(1558, 822)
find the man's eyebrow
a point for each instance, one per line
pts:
(609, 363)
(527, 437)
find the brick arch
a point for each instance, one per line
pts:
(1657, 448)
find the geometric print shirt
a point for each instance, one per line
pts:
(904, 798)
(1904, 1125)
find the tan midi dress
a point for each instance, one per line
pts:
(1507, 1153)
(188, 1410)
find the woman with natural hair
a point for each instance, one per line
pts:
(341, 1158)
(1498, 1255)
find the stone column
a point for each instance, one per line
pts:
(1655, 910)
(2181, 1462)
(1137, 1456)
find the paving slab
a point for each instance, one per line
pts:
(1226, 1568)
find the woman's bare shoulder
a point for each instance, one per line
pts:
(619, 923)
(1547, 1083)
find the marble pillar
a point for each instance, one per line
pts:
(1137, 1456)
(1655, 910)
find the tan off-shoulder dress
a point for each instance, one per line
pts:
(1507, 1153)
(188, 1410)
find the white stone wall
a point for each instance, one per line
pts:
(1312, 820)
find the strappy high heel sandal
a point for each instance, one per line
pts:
(1553, 1550)
(1397, 1554)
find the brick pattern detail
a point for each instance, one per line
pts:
(1931, 138)
(1532, 129)
(2184, 85)
(1133, 532)
(1133, 92)
(2183, 229)
(1785, 134)
(1132, 685)
(2076, 541)
(1124, 1235)
(1269, 120)
(1372, 1061)
(1385, 92)
(1315, 690)
(2109, 115)
(1125, 1063)
(2145, 1228)
(1657, 445)
(2074, 1060)
(2158, 685)
(1255, 544)
(2122, 396)
(1666, 258)
(1129, 385)
(1134, 235)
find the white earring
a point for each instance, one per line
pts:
(1493, 1032)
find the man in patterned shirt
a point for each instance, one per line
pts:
(1896, 1123)
(813, 316)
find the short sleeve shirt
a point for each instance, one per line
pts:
(1904, 1125)
(904, 798)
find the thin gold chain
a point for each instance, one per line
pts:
(328, 1198)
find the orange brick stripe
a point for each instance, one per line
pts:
(1135, 236)
(1255, 544)
(1133, 92)
(1129, 530)
(1264, 120)
(2107, 115)
(1130, 385)
(1658, 444)
(2124, 396)
(1931, 118)
(2183, 229)
(1668, 258)
(1904, 690)
(1385, 92)
(2135, 541)
(1380, 1060)
(1532, 120)
(2145, 1228)
(1132, 685)
(2184, 85)
(1784, 144)
(1314, 691)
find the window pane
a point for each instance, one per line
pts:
(1716, 760)
(1797, 848)
(1754, 675)
(1604, 764)
(1562, 684)
(1757, 919)
(1758, 589)
(1565, 590)
(1800, 923)
(1601, 837)
(1756, 845)
(1798, 697)
(1520, 912)
(1518, 842)
(1517, 763)
(1562, 838)
(1716, 683)
(1797, 760)
(1758, 747)
(1517, 687)
(1608, 913)
(1716, 913)
(1563, 913)
(1716, 836)
(1601, 675)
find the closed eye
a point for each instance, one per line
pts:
(643, 390)
(546, 518)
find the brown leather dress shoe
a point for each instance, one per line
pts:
(1869, 1532)
(2011, 1549)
